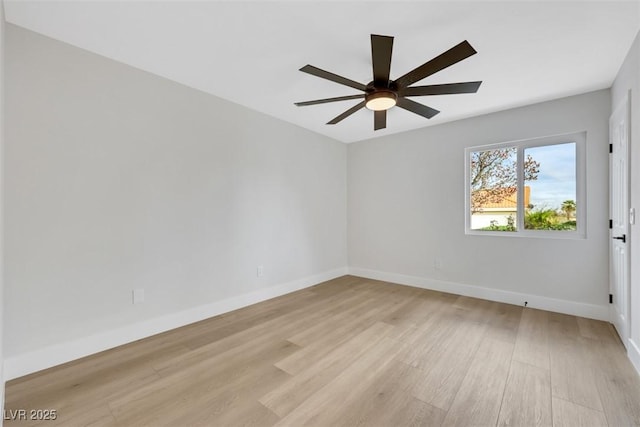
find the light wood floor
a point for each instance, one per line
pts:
(351, 352)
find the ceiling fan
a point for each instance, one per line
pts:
(382, 93)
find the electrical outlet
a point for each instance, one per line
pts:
(260, 271)
(138, 296)
(437, 263)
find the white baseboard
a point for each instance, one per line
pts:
(534, 301)
(633, 351)
(27, 363)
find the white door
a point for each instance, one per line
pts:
(619, 249)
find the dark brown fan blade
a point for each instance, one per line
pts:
(440, 62)
(444, 89)
(417, 108)
(324, 101)
(315, 71)
(381, 49)
(347, 113)
(379, 119)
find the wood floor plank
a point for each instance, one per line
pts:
(443, 368)
(275, 329)
(334, 335)
(477, 402)
(370, 304)
(532, 340)
(617, 383)
(527, 397)
(473, 309)
(233, 403)
(504, 321)
(252, 415)
(185, 388)
(427, 337)
(595, 329)
(104, 385)
(98, 415)
(174, 399)
(419, 319)
(620, 398)
(343, 390)
(410, 412)
(568, 414)
(285, 398)
(572, 374)
(388, 402)
(350, 352)
(572, 377)
(229, 324)
(90, 375)
(563, 325)
(420, 304)
(331, 321)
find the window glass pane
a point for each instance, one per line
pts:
(493, 185)
(550, 187)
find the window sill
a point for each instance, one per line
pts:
(539, 234)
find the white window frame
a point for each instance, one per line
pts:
(581, 200)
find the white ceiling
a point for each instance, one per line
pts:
(250, 52)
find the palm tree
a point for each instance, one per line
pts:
(568, 207)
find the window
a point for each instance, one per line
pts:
(527, 188)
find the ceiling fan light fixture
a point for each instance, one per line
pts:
(382, 93)
(381, 100)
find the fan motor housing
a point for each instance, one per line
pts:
(385, 85)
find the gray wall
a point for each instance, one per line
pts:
(118, 179)
(629, 79)
(406, 208)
